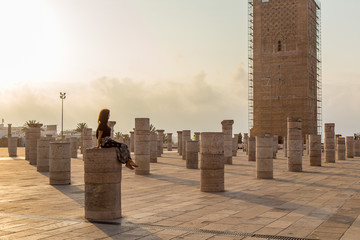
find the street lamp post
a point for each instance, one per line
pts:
(62, 97)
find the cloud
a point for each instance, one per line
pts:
(192, 103)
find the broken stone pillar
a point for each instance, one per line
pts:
(357, 147)
(264, 157)
(179, 134)
(336, 137)
(235, 144)
(186, 136)
(275, 145)
(12, 146)
(285, 146)
(252, 149)
(33, 136)
(197, 136)
(307, 143)
(340, 148)
(329, 143)
(74, 147)
(227, 131)
(192, 150)
(315, 150)
(102, 184)
(111, 124)
(295, 144)
(349, 147)
(169, 141)
(43, 154)
(158, 146)
(161, 138)
(27, 145)
(212, 162)
(60, 163)
(245, 143)
(87, 140)
(142, 146)
(132, 141)
(153, 147)
(9, 130)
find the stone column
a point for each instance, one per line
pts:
(197, 136)
(179, 134)
(34, 135)
(111, 124)
(27, 145)
(153, 147)
(169, 141)
(275, 145)
(87, 140)
(192, 150)
(251, 149)
(285, 146)
(161, 138)
(186, 136)
(349, 147)
(127, 142)
(245, 142)
(315, 150)
(340, 148)
(102, 184)
(43, 151)
(74, 147)
(142, 146)
(60, 163)
(12, 146)
(336, 137)
(227, 131)
(212, 162)
(307, 143)
(357, 147)
(235, 144)
(329, 143)
(295, 144)
(132, 141)
(264, 157)
(9, 130)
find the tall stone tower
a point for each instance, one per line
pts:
(284, 65)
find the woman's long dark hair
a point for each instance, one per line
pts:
(104, 117)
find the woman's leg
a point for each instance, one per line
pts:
(123, 152)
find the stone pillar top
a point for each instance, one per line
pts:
(329, 124)
(179, 132)
(160, 131)
(227, 122)
(131, 132)
(142, 124)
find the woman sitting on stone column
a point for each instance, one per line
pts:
(104, 140)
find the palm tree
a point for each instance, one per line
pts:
(152, 128)
(118, 135)
(80, 127)
(28, 123)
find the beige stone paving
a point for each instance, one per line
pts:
(319, 203)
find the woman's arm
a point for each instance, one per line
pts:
(99, 139)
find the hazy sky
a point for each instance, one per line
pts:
(182, 63)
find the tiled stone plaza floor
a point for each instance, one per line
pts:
(319, 203)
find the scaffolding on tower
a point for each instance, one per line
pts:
(250, 64)
(319, 66)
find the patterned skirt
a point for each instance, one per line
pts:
(122, 150)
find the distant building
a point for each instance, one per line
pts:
(284, 65)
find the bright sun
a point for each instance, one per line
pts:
(31, 44)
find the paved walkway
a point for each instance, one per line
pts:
(319, 203)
